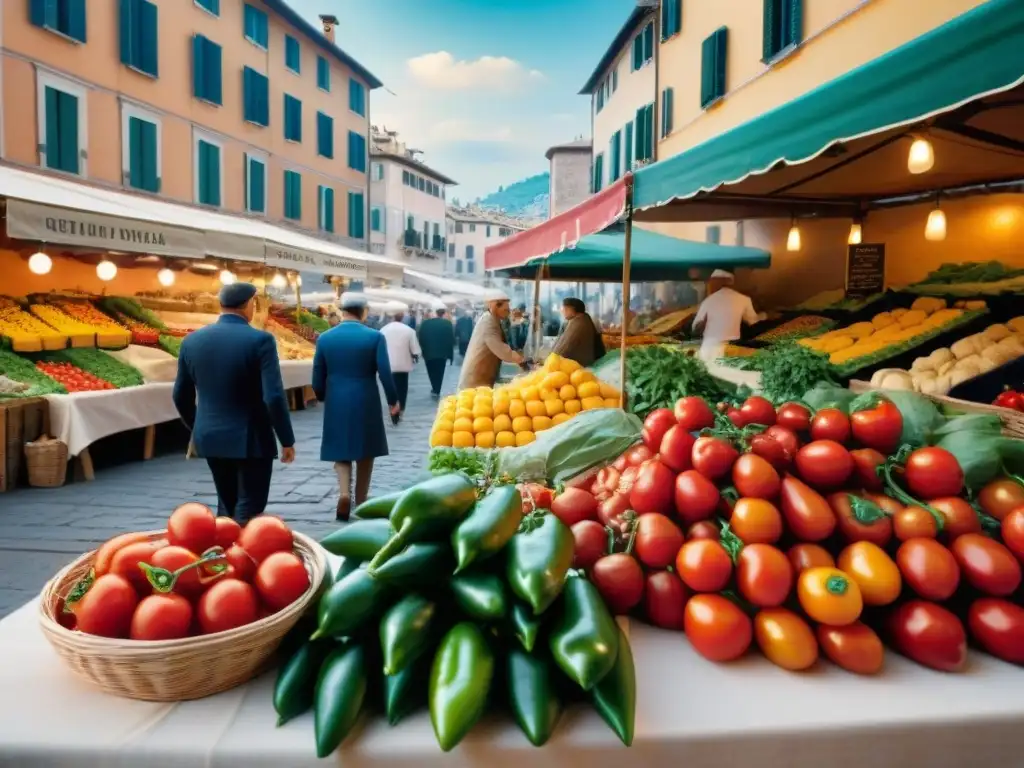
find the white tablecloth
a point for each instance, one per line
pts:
(82, 418)
(690, 713)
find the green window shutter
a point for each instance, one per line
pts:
(713, 66)
(198, 66)
(356, 226)
(75, 24)
(150, 156)
(53, 128)
(641, 116)
(357, 152)
(649, 42)
(638, 52)
(356, 97)
(256, 28)
(721, 36)
(43, 13)
(213, 6)
(770, 29)
(666, 112)
(68, 120)
(627, 146)
(324, 135)
(255, 185)
(213, 154)
(148, 37)
(794, 22)
(292, 118)
(329, 223)
(666, 25)
(292, 54)
(127, 32)
(213, 73)
(375, 219)
(598, 172)
(323, 73)
(713, 234)
(206, 70)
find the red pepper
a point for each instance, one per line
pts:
(1010, 398)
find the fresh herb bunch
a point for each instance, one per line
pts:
(788, 371)
(313, 321)
(99, 364)
(475, 463)
(170, 344)
(132, 309)
(17, 368)
(658, 376)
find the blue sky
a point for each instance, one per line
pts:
(483, 87)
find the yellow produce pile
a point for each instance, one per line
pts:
(512, 414)
(80, 334)
(290, 346)
(925, 317)
(26, 332)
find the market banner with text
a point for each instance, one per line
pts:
(301, 260)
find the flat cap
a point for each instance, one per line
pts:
(235, 295)
(495, 294)
(352, 300)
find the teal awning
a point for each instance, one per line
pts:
(843, 146)
(598, 258)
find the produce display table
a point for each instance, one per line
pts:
(689, 712)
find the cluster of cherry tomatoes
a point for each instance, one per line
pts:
(73, 378)
(206, 574)
(804, 535)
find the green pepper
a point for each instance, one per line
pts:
(417, 563)
(350, 603)
(377, 508)
(584, 639)
(340, 694)
(427, 512)
(615, 696)
(460, 681)
(296, 680)
(360, 540)
(348, 565)
(406, 691)
(525, 625)
(539, 556)
(535, 702)
(493, 521)
(481, 596)
(406, 631)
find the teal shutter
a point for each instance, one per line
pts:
(68, 120)
(292, 118)
(641, 118)
(213, 67)
(649, 126)
(143, 152)
(148, 38)
(356, 97)
(713, 234)
(770, 30)
(75, 22)
(53, 128)
(649, 42)
(357, 152)
(356, 226)
(198, 66)
(794, 22)
(375, 219)
(127, 32)
(324, 135)
(613, 156)
(323, 73)
(43, 13)
(292, 54)
(713, 66)
(256, 26)
(256, 183)
(213, 171)
(206, 70)
(666, 112)
(598, 172)
(671, 18)
(627, 145)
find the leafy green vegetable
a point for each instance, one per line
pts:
(657, 376)
(788, 371)
(313, 321)
(170, 344)
(132, 309)
(18, 368)
(475, 463)
(829, 396)
(921, 417)
(99, 364)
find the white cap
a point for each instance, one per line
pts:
(494, 294)
(352, 300)
(721, 274)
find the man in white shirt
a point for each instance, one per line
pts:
(721, 315)
(403, 353)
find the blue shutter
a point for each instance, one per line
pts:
(206, 70)
(356, 215)
(292, 118)
(43, 13)
(641, 147)
(325, 208)
(255, 26)
(324, 135)
(713, 61)
(794, 29)
(357, 152)
(68, 121)
(213, 6)
(52, 128)
(613, 157)
(648, 37)
(256, 185)
(356, 97)
(666, 112)
(375, 219)
(323, 73)
(75, 20)
(127, 32)
(143, 152)
(198, 66)
(255, 97)
(213, 173)
(627, 146)
(213, 62)
(292, 54)
(148, 38)
(292, 195)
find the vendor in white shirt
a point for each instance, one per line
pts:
(721, 315)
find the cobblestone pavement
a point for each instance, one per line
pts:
(42, 530)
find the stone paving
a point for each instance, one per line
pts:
(42, 530)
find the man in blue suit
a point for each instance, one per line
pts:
(235, 371)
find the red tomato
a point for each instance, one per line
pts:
(824, 464)
(696, 497)
(540, 495)
(192, 526)
(879, 427)
(933, 472)
(1013, 532)
(959, 516)
(241, 565)
(855, 647)
(929, 634)
(807, 513)
(735, 415)
(865, 462)
(998, 627)
(665, 600)
(786, 437)
(694, 414)
(712, 457)
(772, 451)
(573, 505)
(758, 410)
(281, 579)
(987, 565)
(914, 523)
(126, 562)
(638, 454)
(764, 575)
(228, 604)
(716, 628)
(1000, 497)
(754, 477)
(704, 565)
(830, 424)
(756, 521)
(804, 556)
(657, 423)
(606, 481)
(620, 463)
(264, 535)
(928, 568)
(654, 487)
(793, 416)
(611, 510)
(174, 557)
(658, 540)
(107, 608)
(590, 543)
(877, 530)
(228, 531)
(162, 617)
(676, 448)
(620, 580)
(105, 554)
(702, 529)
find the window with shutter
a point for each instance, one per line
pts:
(648, 44)
(357, 151)
(376, 219)
(62, 145)
(713, 234)
(143, 153)
(293, 195)
(627, 146)
(325, 208)
(598, 172)
(613, 156)
(324, 135)
(357, 97)
(255, 26)
(783, 27)
(65, 17)
(666, 112)
(671, 18)
(292, 118)
(255, 184)
(210, 6)
(206, 70)
(208, 173)
(255, 97)
(292, 54)
(138, 32)
(356, 216)
(713, 67)
(323, 74)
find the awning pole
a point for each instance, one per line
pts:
(625, 289)
(536, 321)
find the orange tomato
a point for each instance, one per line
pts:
(764, 575)
(785, 639)
(716, 627)
(829, 596)
(704, 565)
(756, 521)
(874, 571)
(855, 647)
(804, 556)
(914, 523)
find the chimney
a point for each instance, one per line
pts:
(329, 23)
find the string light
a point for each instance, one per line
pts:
(856, 234)
(165, 277)
(921, 158)
(106, 270)
(935, 229)
(793, 239)
(39, 263)
(227, 277)
(279, 281)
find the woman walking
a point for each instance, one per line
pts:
(349, 360)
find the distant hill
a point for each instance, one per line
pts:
(527, 198)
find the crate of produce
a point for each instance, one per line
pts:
(789, 327)
(24, 332)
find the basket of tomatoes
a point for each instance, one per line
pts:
(185, 612)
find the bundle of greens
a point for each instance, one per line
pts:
(132, 309)
(99, 364)
(787, 371)
(970, 272)
(313, 321)
(170, 344)
(17, 368)
(658, 376)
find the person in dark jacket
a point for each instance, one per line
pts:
(437, 342)
(463, 331)
(580, 339)
(349, 360)
(234, 370)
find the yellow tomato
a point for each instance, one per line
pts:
(592, 403)
(553, 363)
(446, 425)
(567, 392)
(874, 571)
(512, 394)
(581, 376)
(482, 411)
(785, 639)
(502, 423)
(548, 394)
(501, 405)
(516, 408)
(530, 394)
(522, 424)
(540, 423)
(555, 380)
(483, 390)
(463, 440)
(568, 366)
(441, 438)
(573, 406)
(464, 413)
(482, 424)
(525, 438)
(829, 596)
(560, 418)
(485, 440)
(554, 407)
(462, 425)
(612, 402)
(535, 408)
(607, 390)
(505, 439)
(589, 389)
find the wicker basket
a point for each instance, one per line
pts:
(173, 670)
(47, 461)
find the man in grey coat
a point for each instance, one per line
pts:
(488, 347)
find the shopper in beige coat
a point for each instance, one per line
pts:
(488, 347)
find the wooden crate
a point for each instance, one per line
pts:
(21, 421)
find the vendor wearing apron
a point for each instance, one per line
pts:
(488, 347)
(721, 315)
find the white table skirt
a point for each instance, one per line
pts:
(690, 712)
(82, 418)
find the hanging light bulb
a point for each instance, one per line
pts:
(856, 235)
(165, 277)
(39, 263)
(227, 277)
(921, 157)
(298, 280)
(279, 281)
(793, 239)
(106, 270)
(935, 229)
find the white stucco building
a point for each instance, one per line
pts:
(407, 205)
(571, 178)
(622, 92)
(470, 231)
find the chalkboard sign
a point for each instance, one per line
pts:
(865, 269)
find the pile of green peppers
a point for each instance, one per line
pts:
(452, 602)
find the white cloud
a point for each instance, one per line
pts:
(443, 71)
(469, 130)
